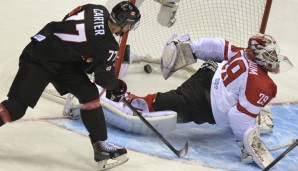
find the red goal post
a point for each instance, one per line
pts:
(233, 20)
(122, 49)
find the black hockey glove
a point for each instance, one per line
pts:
(211, 65)
(118, 94)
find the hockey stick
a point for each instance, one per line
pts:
(282, 145)
(179, 153)
(282, 155)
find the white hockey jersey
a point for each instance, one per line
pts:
(240, 88)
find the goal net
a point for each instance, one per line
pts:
(233, 20)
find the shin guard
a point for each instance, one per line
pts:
(94, 120)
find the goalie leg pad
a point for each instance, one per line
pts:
(255, 147)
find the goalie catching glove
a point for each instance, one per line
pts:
(118, 94)
(176, 54)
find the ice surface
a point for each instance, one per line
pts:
(211, 145)
(35, 143)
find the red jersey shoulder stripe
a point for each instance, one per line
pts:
(243, 110)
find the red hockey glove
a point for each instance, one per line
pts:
(118, 94)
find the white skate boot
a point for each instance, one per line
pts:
(72, 108)
(108, 155)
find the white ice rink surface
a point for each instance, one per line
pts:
(34, 144)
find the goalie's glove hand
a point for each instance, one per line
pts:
(245, 157)
(118, 94)
(174, 38)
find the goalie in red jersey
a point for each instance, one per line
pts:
(231, 87)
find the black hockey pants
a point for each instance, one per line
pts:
(32, 78)
(191, 100)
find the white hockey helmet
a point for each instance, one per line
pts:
(266, 52)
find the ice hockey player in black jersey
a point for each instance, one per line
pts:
(62, 53)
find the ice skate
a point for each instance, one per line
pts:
(108, 155)
(72, 108)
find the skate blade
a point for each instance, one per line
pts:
(111, 163)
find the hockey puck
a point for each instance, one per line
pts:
(147, 68)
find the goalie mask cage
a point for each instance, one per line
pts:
(233, 20)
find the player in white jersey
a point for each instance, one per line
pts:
(233, 92)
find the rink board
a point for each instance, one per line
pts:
(211, 145)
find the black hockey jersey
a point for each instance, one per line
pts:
(83, 35)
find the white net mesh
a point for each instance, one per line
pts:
(234, 20)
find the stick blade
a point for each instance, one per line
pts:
(181, 153)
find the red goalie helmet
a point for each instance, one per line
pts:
(266, 52)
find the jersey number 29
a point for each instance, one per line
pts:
(233, 69)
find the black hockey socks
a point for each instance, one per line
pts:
(95, 123)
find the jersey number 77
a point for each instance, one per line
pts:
(80, 27)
